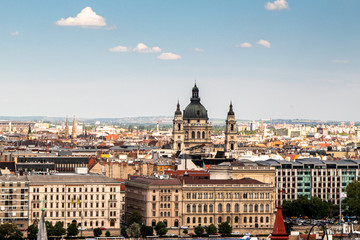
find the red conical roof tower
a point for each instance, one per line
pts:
(279, 231)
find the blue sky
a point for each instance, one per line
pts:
(277, 58)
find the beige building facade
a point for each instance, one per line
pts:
(244, 203)
(90, 200)
(156, 199)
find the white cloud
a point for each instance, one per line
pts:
(244, 45)
(340, 61)
(169, 56)
(277, 5)
(119, 49)
(14, 33)
(87, 18)
(198, 50)
(142, 48)
(264, 43)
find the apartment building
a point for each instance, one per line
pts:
(90, 200)
(14, 200)
(156, 199)
(314, 177)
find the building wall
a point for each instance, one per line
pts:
(14, 200)
(90, 204)
(242, 206)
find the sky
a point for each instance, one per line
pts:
(116, 58)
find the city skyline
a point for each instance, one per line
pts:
(273, 59)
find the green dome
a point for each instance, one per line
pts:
(195, 110)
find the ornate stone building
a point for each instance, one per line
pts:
(193, 127)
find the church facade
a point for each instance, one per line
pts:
(193, 129)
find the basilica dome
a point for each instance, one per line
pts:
(195, 110)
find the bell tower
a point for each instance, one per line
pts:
(178, 130)
(230, 131)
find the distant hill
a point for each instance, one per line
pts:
(163, 120)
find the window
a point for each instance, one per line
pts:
(228, 207)
(199, 208)
(267, 208)
(250, 207)
(188, 208)
(256, 208)
(236, 207)
(194, 208)
(236, 219)
(193, 135)
(211, 208)
(220, 207)
(205, 208)
(245, 207)
(219, 220)
(203, 134)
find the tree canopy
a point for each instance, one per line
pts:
(97, 232)
(135, 217)
(10, 231)
(32, 231)
(352, 201)
(199, 230)
(133, 230)
(225, 228)
(301, 207)
(211, 229)
(72, 230)
(146, 231)
(161, 229)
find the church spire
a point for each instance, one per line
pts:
(67, 128)
(231, 111)
(73, 132)
(178, 111)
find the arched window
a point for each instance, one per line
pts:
(199, 220)
(220, 207)
(193, 134)
(232, 146)
(261, 207)
(211, 209)
(188, 208)
(261, 219)
(250, 207)
(176, 223)
(199, 208)
(236, 219)
(179, 145)
(256, 208)
(198, 135)
(205, 219)
(228, 207)
(165, 221)
(245, 220)
(232, 127)
(236, 207)
(250, 219)
(245, 207)
(205, 207)
(219, 220)
(194, 219)
(228, 219)
(153, 223)
(267, 208)
(256, 219)
(179, 126)
(188, 220)
(194, 208)
(267, 219)
(210, 220)
(203, 134)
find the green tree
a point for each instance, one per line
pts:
(32, 231)
(146, 231)
(123, 232)
(107, 234)
(133, 230)
(199, 230)
(185, 231)
(10, 231)
(161, 229)
(72, 230)
(352, 201)
(97, 232)
(58, 229)
(135, 217)
(225, 228)
(211, 229)
(49, 229)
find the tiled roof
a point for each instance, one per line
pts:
(222, 181)
(155, 181)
